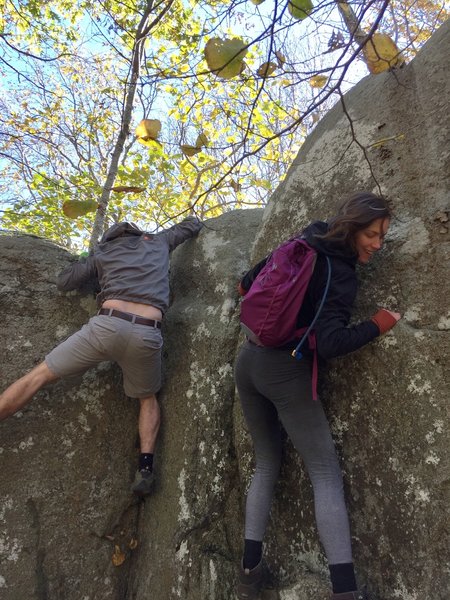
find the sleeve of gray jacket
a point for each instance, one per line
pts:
(76, 274)
(188, 228)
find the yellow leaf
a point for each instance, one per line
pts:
(256, 2)
(318, 81)
(280, 58)
(225, 58)
(127, 189)
(149, 143)
(148, 129)
(133, 543)
(202, 140)
(384, 141)
(266, 69)
(78, 208)
(300, 9)
(118, 556)
(381, 53)
(190, 150)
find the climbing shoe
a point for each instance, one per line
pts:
(143, 482)
(250, 583)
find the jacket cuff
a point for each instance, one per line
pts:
(241, 290)
(383, 320)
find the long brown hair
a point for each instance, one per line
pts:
(356, 213)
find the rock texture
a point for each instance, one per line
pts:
(389, 402)
(190, 529)
(67, 459)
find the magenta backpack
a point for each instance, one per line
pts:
(269, 310)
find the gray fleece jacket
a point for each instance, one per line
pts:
(130, 264)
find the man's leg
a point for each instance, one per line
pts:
(141, 368)
(149, 421)
(22, 391)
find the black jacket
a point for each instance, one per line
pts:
(334, 335)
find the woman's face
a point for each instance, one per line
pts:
(370, 239)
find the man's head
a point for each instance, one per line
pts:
(119, 230)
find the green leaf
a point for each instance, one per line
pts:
(202, 140)
(78, 208)
(300, 9)
(190, 150)
(225, 58)
(128, 189)
(266, 69)
(318, 81)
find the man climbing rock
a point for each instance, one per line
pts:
(132, 270)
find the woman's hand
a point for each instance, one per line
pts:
(385, 319)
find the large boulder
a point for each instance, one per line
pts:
(67, 458)
(69, 527)
(388, 403)
(191, 528)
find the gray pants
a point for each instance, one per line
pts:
(136, 348)
(274, 387)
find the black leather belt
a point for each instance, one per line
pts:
(112, 312)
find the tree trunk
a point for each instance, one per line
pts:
(142, 32)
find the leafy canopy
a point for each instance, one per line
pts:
(147, 111)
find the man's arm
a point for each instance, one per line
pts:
(76, 274)
(177, 234)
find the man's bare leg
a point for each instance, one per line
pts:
(149, 421)
(22, 391)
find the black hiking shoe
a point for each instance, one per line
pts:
(143, 482)
(250, 583)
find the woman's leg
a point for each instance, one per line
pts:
(287, 384)
(309, 431)
(306, 425)
(262, 422)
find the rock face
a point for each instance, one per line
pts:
(192, 539)
(388, 402)
(67, 459)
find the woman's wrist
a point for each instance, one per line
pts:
(385, 319)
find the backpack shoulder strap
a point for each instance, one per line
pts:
(296, 352)
(309, 333)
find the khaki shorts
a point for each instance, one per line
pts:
(136, 348)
